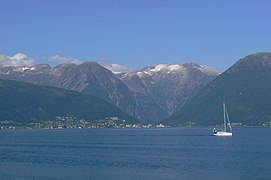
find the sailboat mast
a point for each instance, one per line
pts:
(227, 116)
(224, 111)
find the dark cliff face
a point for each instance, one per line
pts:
(245, 87)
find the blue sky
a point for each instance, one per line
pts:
(135, 33)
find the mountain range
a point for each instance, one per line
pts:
(151, 94)
(175, 94)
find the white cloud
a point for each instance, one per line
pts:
(210, 69)
(18, 59)
(63, 59)
(116, 68)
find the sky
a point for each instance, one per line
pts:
(133, 33)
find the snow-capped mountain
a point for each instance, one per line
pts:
(169, 86)
(150, 94)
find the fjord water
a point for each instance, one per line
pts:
(181, 153)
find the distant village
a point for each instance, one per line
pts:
(70, 122)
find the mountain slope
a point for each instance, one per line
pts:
(24, 103)
(89, 78)
(93, 79)
(245, 87)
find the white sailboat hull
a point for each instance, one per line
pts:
(222, 133)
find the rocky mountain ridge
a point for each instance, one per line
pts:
(150, 94)
(169, 85)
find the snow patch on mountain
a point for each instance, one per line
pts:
(158, 68)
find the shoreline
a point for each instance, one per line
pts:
(183, 127)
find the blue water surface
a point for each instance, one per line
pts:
(181, 153)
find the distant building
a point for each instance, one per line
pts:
(160, 126)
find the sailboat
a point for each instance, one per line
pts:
(226, 131)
